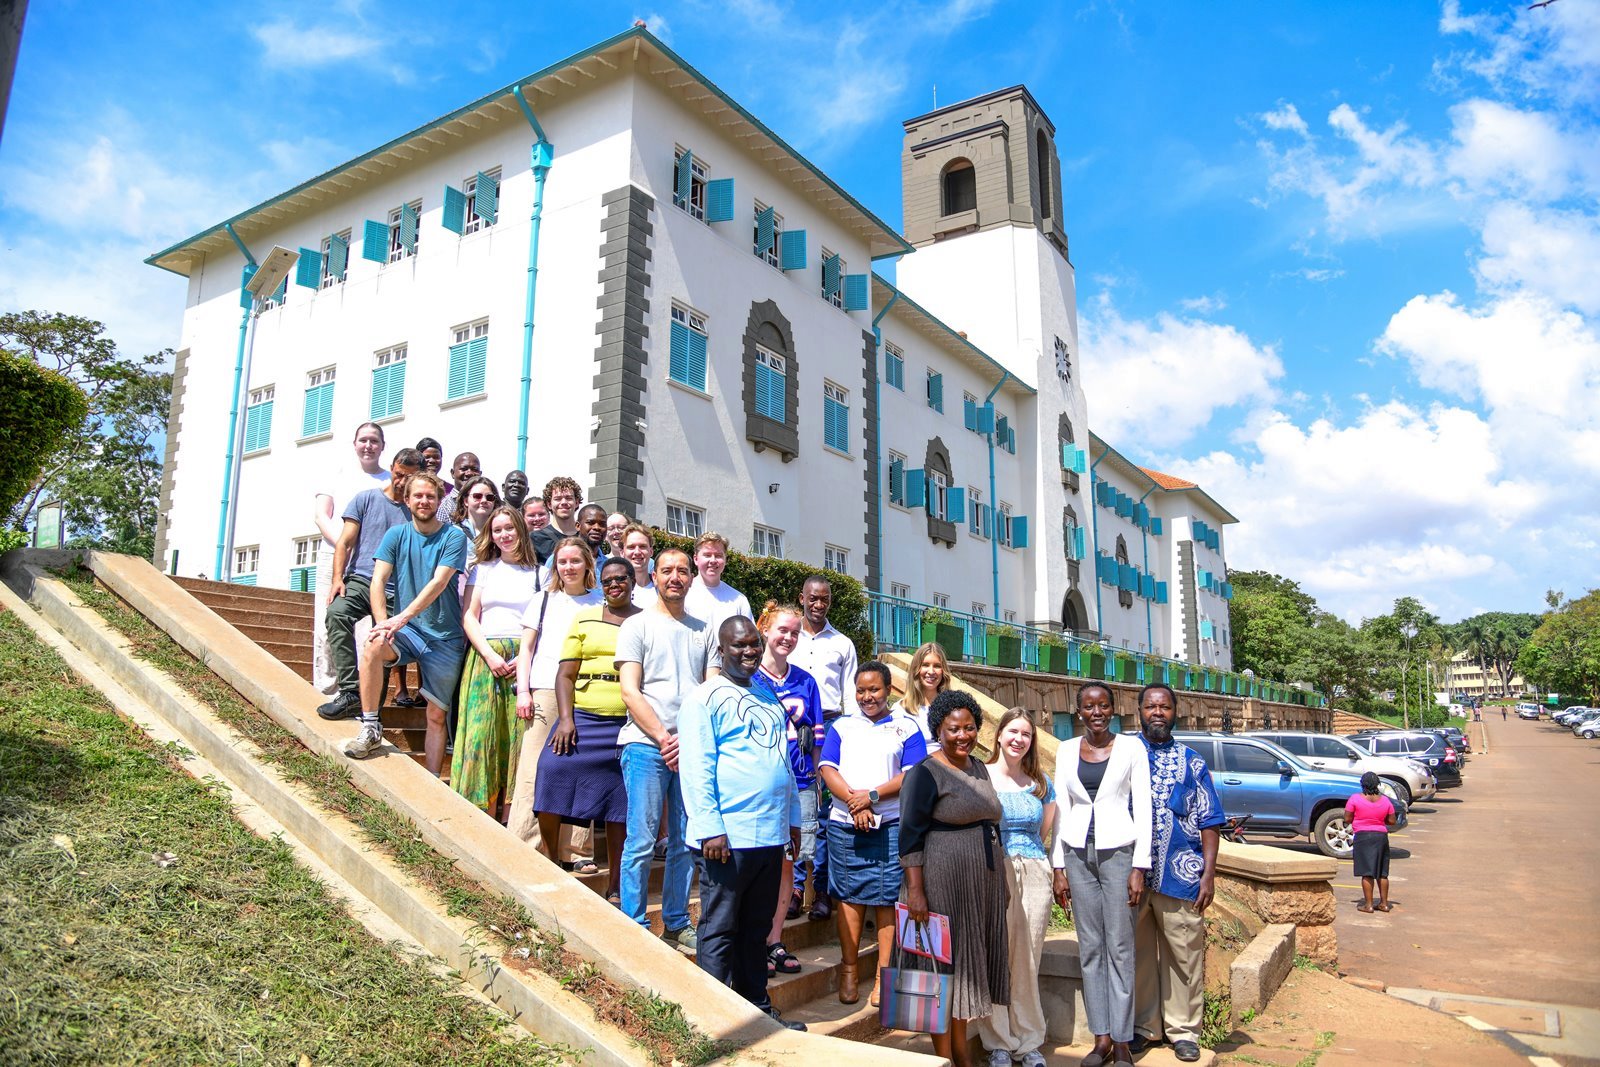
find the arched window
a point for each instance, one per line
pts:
(960, 184)
(1042, 151)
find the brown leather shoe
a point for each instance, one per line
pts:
(849, 984)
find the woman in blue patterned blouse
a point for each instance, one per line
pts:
(1028, 799)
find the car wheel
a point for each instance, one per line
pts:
(1401, 790)
(1333, 836)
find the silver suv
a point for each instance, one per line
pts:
(1330, 752)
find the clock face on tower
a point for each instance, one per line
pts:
(1063, 362)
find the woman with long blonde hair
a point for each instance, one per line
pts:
(1028, 801)
(927, 676)
(489, 733)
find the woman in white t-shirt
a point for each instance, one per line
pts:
(568, 590)
(488, 730)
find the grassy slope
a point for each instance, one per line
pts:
(233, 953)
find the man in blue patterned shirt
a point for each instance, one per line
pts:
(1169, 934)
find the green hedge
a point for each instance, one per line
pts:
(38, 409)
(762, 579)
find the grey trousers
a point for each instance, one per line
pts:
(1104, 922)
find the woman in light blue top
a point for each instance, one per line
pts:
(1028, 800)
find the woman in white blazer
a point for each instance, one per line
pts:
(1100, 854)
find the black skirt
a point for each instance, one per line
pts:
(1372, 854)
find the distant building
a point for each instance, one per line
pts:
(1469, 679)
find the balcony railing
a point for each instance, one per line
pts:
(903, 625)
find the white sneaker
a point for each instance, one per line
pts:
(1033, 1059)
(999, 1057)
(364, 744)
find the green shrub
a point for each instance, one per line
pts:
(761, 579)
(38, 410)
(10, 539)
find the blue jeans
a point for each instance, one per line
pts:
(649, 782)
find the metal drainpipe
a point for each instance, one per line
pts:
(994, 503)
(224, 518)
(877, 423)
(1144, 541)
(542, 154)
(1094, 522)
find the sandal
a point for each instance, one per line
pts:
(1385, 907)
(583, 867)
(614, 899)
(1363, 909)
(781, 961)
(411, 700)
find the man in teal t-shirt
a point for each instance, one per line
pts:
(422, 557)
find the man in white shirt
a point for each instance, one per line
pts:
(710, 598)
(830, 658)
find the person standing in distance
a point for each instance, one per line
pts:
(424, 556)
(742, 807)
(830, 658)
(1169, 934)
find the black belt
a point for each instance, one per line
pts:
(991, 832)
(600, 677)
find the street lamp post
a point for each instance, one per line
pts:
(1408, 630)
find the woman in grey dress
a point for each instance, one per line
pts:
(954, 865)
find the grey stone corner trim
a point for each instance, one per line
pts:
(621, 362)
(769, 327)
(873, 460)
(169, 462)
(937, 458)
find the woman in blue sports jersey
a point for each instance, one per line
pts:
(797, 692)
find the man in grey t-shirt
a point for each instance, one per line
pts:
(662, 654)
(368, 516)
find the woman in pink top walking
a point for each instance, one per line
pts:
(1370, 814)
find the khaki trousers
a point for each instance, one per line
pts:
(577, 842)
(1019, 1027)
(1169, 947)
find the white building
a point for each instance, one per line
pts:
(611, 270)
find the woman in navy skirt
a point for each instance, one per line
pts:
(864, 759)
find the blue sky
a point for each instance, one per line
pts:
(1338, 262)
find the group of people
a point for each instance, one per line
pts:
(575, 676)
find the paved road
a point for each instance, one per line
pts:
(1494, 884)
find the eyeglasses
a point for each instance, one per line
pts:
(482, 496)
(616, 579)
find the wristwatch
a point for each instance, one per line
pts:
(872, 796)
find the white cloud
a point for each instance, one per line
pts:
(1202, 367)
(1286, 117)
(1551, 52)
(1524, 153)
(285, 44)
(1556, 253)
(657, 24)
(1204, 305)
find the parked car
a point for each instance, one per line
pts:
(1586, 719)
(1589, 729)
(1457, 739)
(1527, 711)
(1329, 752)
(1568, 713)
(1283, 795)
(1421, 745)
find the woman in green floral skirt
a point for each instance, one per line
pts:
(488, 732)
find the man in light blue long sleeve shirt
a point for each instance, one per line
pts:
(742, 807)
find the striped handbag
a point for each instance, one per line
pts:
(915, 998)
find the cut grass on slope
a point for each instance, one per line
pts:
(656, 1024)
(143, 923)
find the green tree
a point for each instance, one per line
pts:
(107, 470)
(1562, 654)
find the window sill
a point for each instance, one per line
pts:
(838, 452)
(257, 452)
(691, 390)
(462, 401)
(325, 435)
(387, 419)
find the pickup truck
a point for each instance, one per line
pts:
(1282, 794)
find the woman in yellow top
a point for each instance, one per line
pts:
(580, 775)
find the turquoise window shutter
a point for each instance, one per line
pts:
(1011, 440)
(897, 482)
(832, 276)
(793, 254)
(916, 488)
(1001, 426)
(678, 355)
(486, 198)
(388, 390)
(936, 392)
(1161, 592)
(318, 415)
(835, 424)
(281, 293)
(258, 426)
(454, 215)
(338, 256)
(379, 407)
(456, 382)
(1080, 542)
(477, 365)
(1142, 517)
(297, 580)
(986, 519)
(682, 178)
(697, 360)
(1156, 526)
(955, 503)
(1200, 531)
(244, 579)
(1081, 461)
(375, 241)
(855, 292)
(408, 228)
(986, 418)
(969, 413)
(397, 388)
(308, 269)
(1147, 587)
(1019, 531)
(766, 230)
(719, 200)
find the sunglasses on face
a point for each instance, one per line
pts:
(616, 579)
(482, 496)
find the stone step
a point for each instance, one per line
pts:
(226, 599)
(203, 589)
(849, 1022)
(819, 976)
(295, 635)
(252, 615)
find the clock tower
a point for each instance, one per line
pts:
(981, 184)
